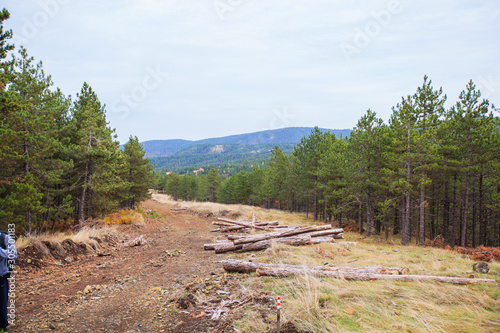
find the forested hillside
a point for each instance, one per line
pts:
(430, 171)
(60, 161)
(217, 156)
(158, 148)
(227, 154)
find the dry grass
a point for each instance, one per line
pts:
(333, 305)
(86, 235)
(125, 216)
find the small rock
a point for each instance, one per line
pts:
(52, 326)
(481, 267)
(87, 290)
(68, 259)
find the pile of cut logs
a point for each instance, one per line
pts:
(291, 235)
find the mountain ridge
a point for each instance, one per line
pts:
(287, 135)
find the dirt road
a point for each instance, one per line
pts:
(155, 287)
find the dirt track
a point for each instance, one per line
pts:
(134, 289)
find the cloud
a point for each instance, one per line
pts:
(227, 75)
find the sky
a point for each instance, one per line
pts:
(195, 69)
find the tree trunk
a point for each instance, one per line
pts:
(406, 221)
(245, 224)
(260, 237)
(84, 190)
(482, 220)
(227, 247)
(395, 227)
(262, 245)
(455, 217)
(307, 207)
(284, 272)
(316, 213)
(434, 212)
(421, 226)
(463, 238)
(474, 215)
(446, 214)
(360, 218)
(368, 213)
(240, 266)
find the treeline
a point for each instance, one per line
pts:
(60, 160)
(430, 171)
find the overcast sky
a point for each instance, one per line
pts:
(194, 69)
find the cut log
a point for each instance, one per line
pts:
(244, 224)
(259, 237)
(211, 246)
(328, 232)
(286, 233)
(226, 247)
(225, 224)
(319, 240)
(229, 229)
(356, 276)
(262, 245)
(250, 267)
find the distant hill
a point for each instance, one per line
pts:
(206, 155)
(293, 135)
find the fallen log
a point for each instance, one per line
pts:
(319, 240)
(241, 266)
(356, 276)
(244, 224)
(211, 246)
(235, 228)
(262, 245)
(328, 232)
(235, 237)
(226, 247)
(228, 227)
(292, 232)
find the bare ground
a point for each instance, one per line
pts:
(170, 284)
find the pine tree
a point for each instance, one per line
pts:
(137, 174)
(428, 108)
(97, 159)
(213, 181)
(34, 141)
(472, 125)
(366, 144)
